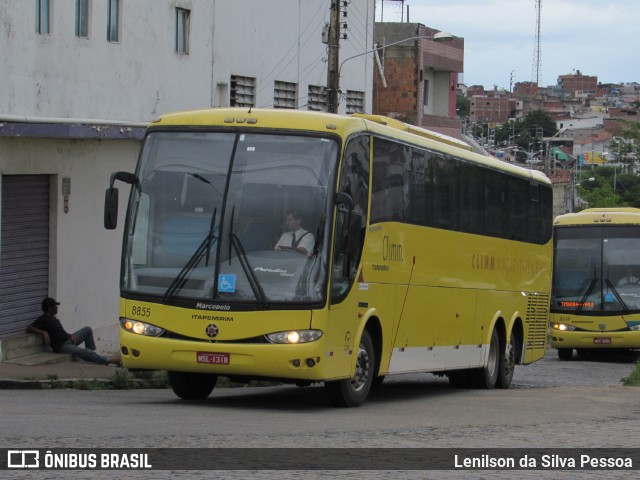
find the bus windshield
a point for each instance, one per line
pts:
(210, 207)
(597, 269)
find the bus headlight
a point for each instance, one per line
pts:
(140, 328)
(294, 336)
(563, 328)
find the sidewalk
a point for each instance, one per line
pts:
(65, 374)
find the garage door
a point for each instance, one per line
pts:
(24, 250)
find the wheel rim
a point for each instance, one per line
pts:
(509, 359)
(493, 356)
(362, 369)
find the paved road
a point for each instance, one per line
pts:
(553, 404)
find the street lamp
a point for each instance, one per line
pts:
(438, 37)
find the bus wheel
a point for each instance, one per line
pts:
(353, 392)
(565, 353)
(487, 376)
(192, 386)
(507, 364)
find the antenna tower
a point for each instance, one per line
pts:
(536, 48)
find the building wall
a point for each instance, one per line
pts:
(415, 69)
(141, 76)
(578, 83)
(492, 109)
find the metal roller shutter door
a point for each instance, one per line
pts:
(24, 250)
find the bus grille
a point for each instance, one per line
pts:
(537, 321)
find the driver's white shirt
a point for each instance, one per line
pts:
(306, 239)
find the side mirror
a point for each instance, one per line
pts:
(111, 208)
(343, 198)
(125, 177)
(111, 197)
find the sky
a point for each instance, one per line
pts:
(596, 37)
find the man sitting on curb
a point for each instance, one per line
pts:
(52, 332)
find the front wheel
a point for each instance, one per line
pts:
(353, 392)
(192, 386)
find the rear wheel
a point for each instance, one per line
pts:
(487, 376)
(507, 364)
(565, 353)
(353, 392)
(192, 386)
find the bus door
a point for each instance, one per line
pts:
(350, 227)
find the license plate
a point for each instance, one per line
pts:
(602, 341)
(213, 358)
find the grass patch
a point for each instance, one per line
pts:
(84, 384)
(633, 380)
(54, 381)
(120, 379)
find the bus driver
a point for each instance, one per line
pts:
(296, 237)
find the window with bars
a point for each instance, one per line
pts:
(183, 17)
(317, 99)
(82, 18)
(355, 101)
(113, 21)
(285, 95)
(242, 92)
(43, 17)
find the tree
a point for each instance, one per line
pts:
(626, 146)
(609, 188)
(463, 106)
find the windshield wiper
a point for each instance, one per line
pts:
(588, 292)
(204, 247)
(235, 242)
(617, 295)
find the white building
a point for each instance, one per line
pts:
(80, 81)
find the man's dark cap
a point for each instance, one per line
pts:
(48, 302)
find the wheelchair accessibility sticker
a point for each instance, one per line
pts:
(226, 283)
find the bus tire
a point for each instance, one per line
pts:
(192, 386)
(565, 353)
(487, 376)
(507, 364)
(353, 392)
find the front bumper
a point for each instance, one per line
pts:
(296, 362)
(583, 339)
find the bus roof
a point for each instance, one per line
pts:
(599, 216)
(344, 125)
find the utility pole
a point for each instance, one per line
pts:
(333, 73)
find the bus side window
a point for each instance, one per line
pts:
(354, 181)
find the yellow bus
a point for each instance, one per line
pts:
(421, 256)
(596, 281)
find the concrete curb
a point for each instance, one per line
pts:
(76, 383)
